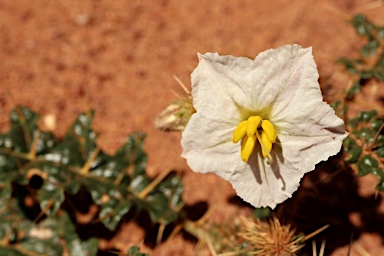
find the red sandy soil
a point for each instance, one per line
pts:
(118, 57)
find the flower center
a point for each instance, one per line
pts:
(252, 130)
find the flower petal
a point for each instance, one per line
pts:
(218, 89)
(310, 150)
(264, 185)
(208, 147)
(279, 74)
(248, 87)
(305, 123)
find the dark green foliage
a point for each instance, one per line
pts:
(134, 251)
(365, 147)
(115, 183)
(262, 213)
(370, 64)
(20, 236)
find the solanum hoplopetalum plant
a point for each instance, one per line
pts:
(260, 124)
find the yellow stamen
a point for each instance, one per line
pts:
(264, 140)
(252, 130)
(269, 130)
(239, 132)
(253, 124)
(247, 147)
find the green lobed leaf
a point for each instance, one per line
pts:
(367, 50)
(118, 178)
(367, 164)
(12, 218)
(98, 188)
(9, 251)
(172, 188)
(5, 189)
(356, 87)
(112, 212)
(380, 152)
(42, 247)
(23, 128)
(366, 74)
(380, 32)
(367, 116)
(157, 205)
(19, 138)
(164, 202)
(369, 124)
(365, 133)
(352, 149)
(362, 25)
(376, 124)
(379, 73)
(81, 131)
(50, 197)
(65, 228)
(67, 153)
(349, 64)
(380, 174)
(378, 70)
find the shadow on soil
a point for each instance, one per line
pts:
(192, 212)
(330, 196)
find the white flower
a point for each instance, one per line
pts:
(277, 93)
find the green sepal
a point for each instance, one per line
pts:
(135, 251)
(262, 213)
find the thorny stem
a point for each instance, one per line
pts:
(314, 250)
(335, 10)
(153, 184)
(182, 85)
(31, 155)
(15, 153)
(102, 218)
(322, 248)
(43, 211)
(32, 152)
(191, 228)
(316, 232)
(160, 233)
(120, 177)
(86, 168)
(194, 228)
(199, 233)
(21, 118)
(22, 124)
(376, 136)
(373, 5)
